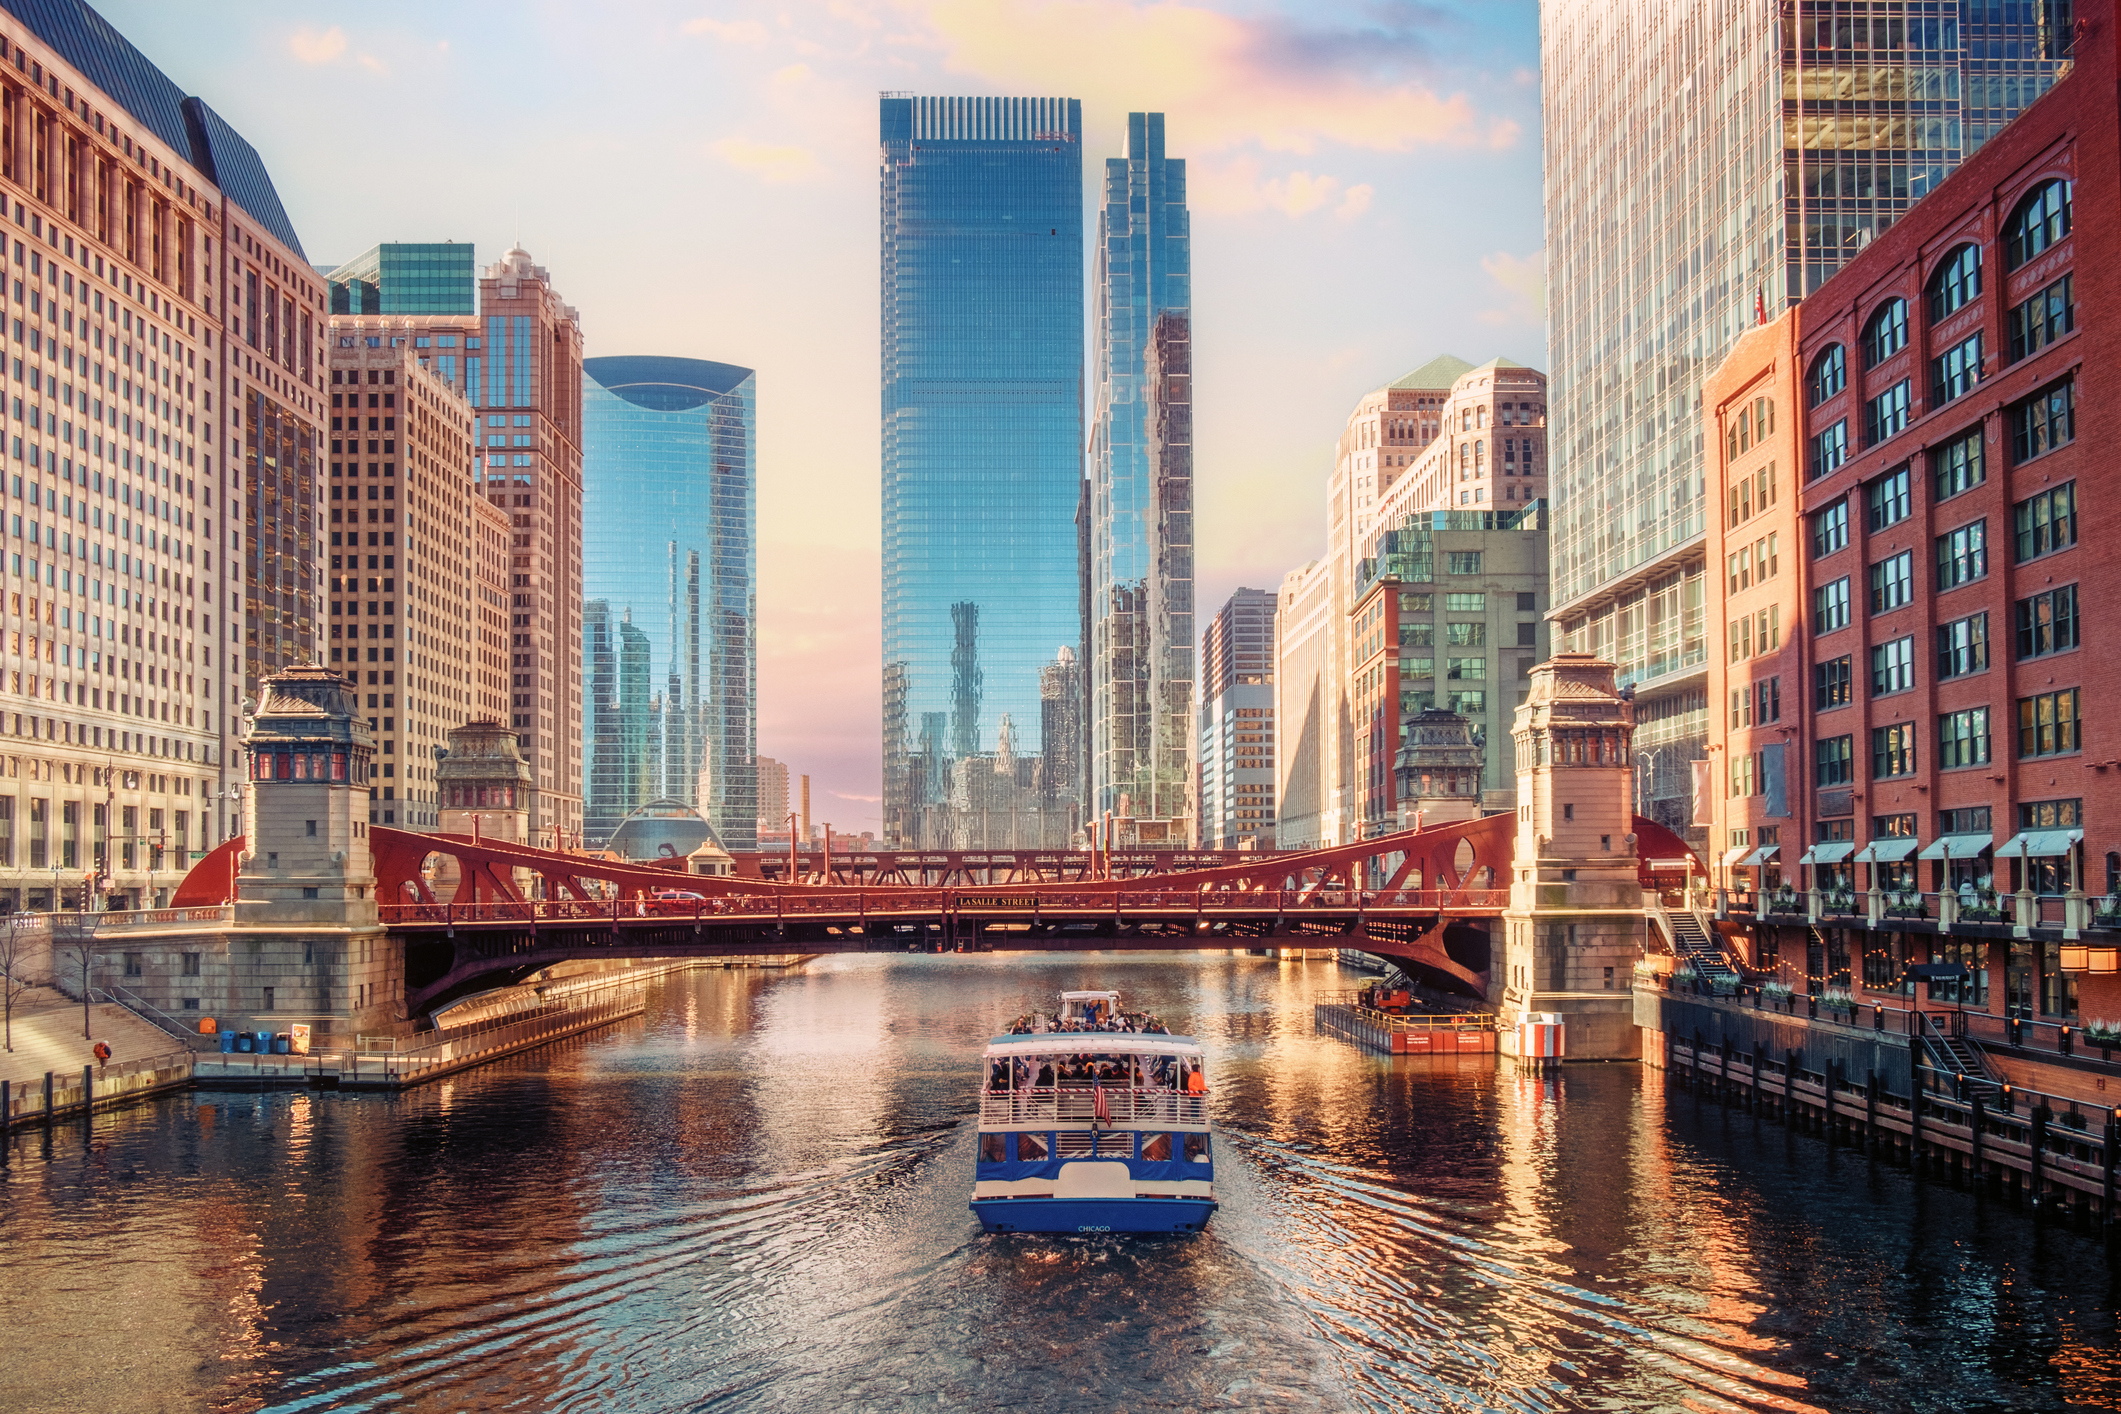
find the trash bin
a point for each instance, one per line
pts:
(280, 1044)
(228, 1042)
(244, 1042)
(262, 1043)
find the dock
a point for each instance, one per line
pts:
(1384, 1033)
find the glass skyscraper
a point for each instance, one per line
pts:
(669, 639)
(1141, 492)
(401, 278)
(1706, 165)
(982, 466)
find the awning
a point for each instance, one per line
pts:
(2038, 844)
(1890, 850)
(1731, 855)
(1956, 847)
(1760, 856)
(1831, 853)
(1939, 971)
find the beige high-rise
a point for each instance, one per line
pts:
(160, 459)
(415, 609)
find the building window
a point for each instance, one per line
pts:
(1831, 684)
(1889, 499)
(1893, 582)
(2047, 522)
(1956, 371)
(2047, 724)
(2044, 318)
(1463, 562)
(1962, 738)
(1958, 465)
(1833, 761)
(1465, 603)
(2047, 623)
(1887, 414)
(1830, 449)
(1886, 334)
(1962, 555)
(1955, 282)
(1830, 606)
(2045, 421)
(1962, 646)
(1893, 666)
(1830, 530)
(1892, 751)
(2040, 220)
(1830, 374)
(1465, 635)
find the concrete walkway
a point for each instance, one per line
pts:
(47, 1032)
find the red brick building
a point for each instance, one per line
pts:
(1953, 791)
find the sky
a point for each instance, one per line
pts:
(701, 181)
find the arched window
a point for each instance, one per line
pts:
(1886, 334)
(2040, 220)
(1830, 374)
(1955, 282)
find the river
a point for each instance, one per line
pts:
(753, 1198)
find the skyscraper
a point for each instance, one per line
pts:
(982, 422)
(163, 538)
(1141, 492)
(401, 278)
(1235, 796)
(1706, 165)
(669, 470)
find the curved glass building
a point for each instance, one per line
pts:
(670, 584)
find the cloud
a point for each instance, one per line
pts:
(1226, 80)
(1237, 187)
(1524, 280)
(317, 46)
(768, 162)
(864, 799)
(730, 31)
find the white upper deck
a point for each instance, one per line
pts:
(1101, 1043)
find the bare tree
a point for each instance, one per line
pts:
(77, 933)
(14, 957)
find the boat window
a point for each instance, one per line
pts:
(1116, 1145)
(1030, 1146)
(993, 1148)
(1157, 1148)
(1196, 1148)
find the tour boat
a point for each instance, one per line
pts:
(1093, 1120)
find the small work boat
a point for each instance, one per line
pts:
(1094, 1120)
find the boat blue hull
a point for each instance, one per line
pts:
(1093, 1214)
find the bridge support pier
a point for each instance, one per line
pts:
(1574, 926)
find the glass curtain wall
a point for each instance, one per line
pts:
(1141, 487)
(1706, 164)
(669, 645)
(982, 458)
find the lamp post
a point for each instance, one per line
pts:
(791, 846)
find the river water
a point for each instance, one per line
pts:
(753, 1198)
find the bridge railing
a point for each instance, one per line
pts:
(970, 903)
(1079, 1106)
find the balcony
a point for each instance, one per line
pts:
(1968, 913)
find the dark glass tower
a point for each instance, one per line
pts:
(670, 650)
(982, 460)
(1141, 492)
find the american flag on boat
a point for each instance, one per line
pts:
(1104, 1106)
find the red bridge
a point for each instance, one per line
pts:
(1424, 898)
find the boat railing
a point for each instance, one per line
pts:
(1078, 1105)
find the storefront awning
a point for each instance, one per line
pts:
(1760, 856)
(1888, 851)
(2038, 844)
(1956, 847)
(1831, 853)
(1732, 855)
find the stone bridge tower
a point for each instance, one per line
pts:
(306, 809)
(1575, 921)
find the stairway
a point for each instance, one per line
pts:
(1694, 947)
(1959, 1056)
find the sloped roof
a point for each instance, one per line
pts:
(1508, 363)
(1438, 373)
